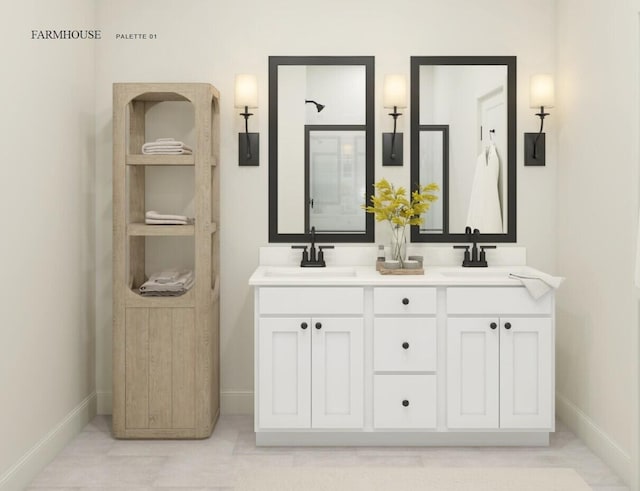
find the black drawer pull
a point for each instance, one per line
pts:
(405, 301)
(493, 325)
(304, 325)
(318, 325)
(405, 403)
(507, 325)
(405, 345)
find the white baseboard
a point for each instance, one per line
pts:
(595, 438)
(231, 402)
(18, 476)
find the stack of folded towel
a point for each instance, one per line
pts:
(166, 146)
(155, 218)
(171, 283)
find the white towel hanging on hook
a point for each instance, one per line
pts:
(484, 211)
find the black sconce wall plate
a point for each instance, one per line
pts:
(387, 158)
(249, 156)
(540, 149)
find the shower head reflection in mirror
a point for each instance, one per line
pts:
(320, 151)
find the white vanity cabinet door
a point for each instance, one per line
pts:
(337, 372)
(500, 377)
(472, 373)
(284, 377)
(526, 385)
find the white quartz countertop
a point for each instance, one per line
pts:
(368, 276)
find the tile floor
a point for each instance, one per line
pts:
(94, 460)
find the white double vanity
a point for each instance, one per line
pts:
(347, 356)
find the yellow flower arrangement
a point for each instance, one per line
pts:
(392, 204)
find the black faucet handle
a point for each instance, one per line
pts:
(483, 247)
(467, 256)
(305, 253)
(326, 247)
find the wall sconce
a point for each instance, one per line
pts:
(541, 95)
(319, 107)
(395, 96)
(246, 96)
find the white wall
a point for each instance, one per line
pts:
(209, 41)
(47, 344)
(598, 104)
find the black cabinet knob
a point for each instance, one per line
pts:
(507, 325)
(493, 325)
(405, 301)
(304, 325)
(318, 325)
(405, 403)
(405, 345)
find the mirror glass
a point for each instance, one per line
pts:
(463, 129)
(320, 148)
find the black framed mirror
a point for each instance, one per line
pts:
(463, 137)
(321, 147)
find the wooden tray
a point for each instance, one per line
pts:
(400, 271)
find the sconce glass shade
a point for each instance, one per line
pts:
(541, 91)
(395, 91)
(246, 94)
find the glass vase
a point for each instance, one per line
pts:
(398, 249)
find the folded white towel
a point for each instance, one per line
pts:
(539, 284)
(167, 276)
(167, 288)
(153, 221)
(164, 216)
(167, 151)
(168, 282)
(166, 146)
(164, 142)
(154, 218)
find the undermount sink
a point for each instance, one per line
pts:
(298, 272)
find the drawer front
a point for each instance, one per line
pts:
(404, 300)
(311, 300)
(496, 301)
(404, 401)
(404, 344)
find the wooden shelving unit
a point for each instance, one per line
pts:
(166, 380)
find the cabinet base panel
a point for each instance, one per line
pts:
(167, 433)
(405, 439)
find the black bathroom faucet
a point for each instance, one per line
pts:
(474, 260)
(311, 259)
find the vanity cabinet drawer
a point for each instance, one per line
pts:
(404, 344)
(496, 300)
(404, 401)
(404, 300)
(311, 300)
